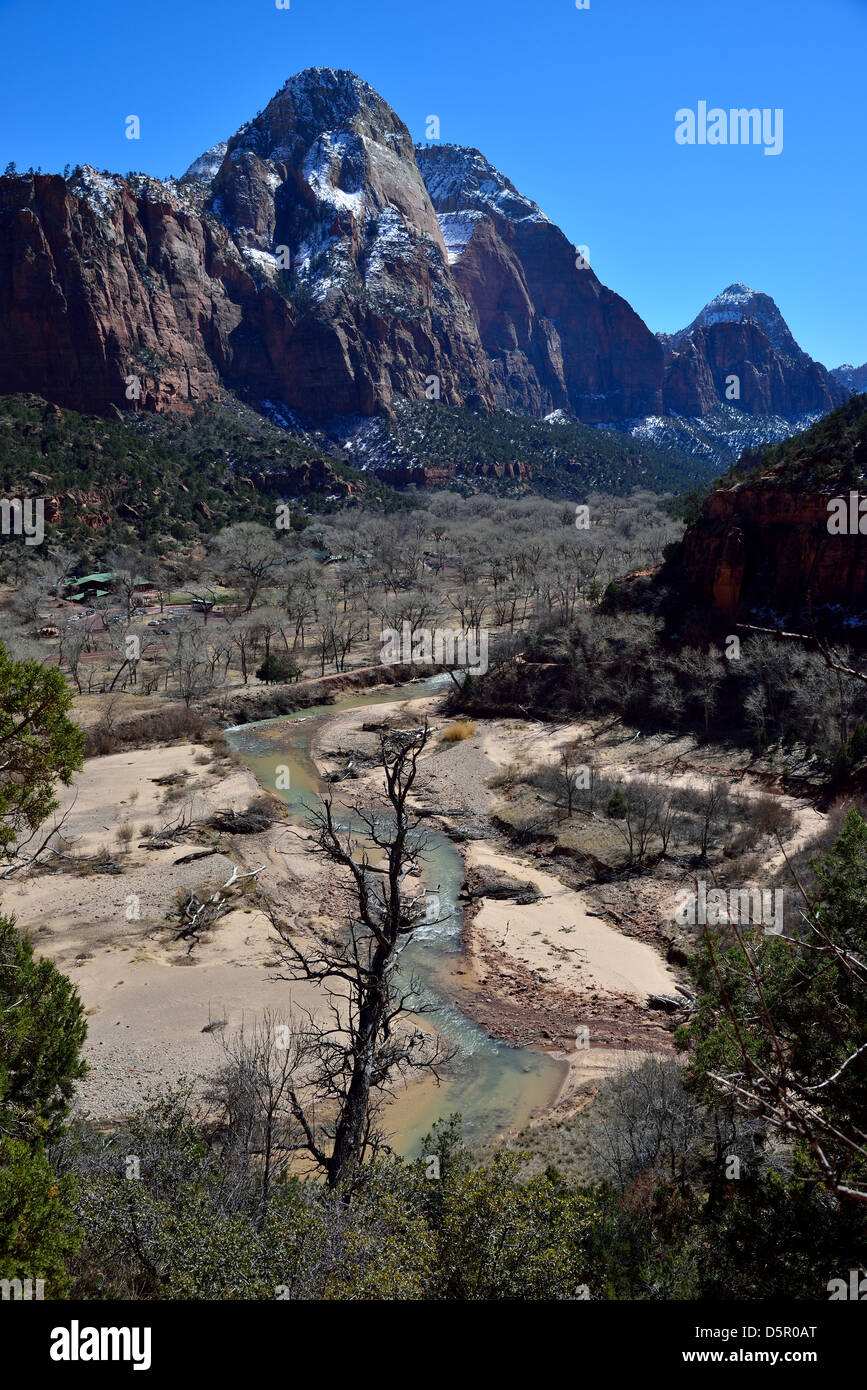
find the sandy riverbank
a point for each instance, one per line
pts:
(535, 974)
(148, 998)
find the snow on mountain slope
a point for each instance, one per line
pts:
(718, 437)
(457, 229)
(203, 169)
(739, 304)
(460, 179)
(853, 378)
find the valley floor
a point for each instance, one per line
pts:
(581, 955)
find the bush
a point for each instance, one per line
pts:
(175, 724)
(457, 732)
(37, 1226)
(278, 668)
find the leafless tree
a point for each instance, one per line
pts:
(365, 1044)
(645, 1123)
(244, 634)
(73, 643)
(711, 805)
(705, 671)
(190, 663)
(639, 823)
(249, 557)
(251, 1102)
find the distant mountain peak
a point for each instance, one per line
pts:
(203, 169)
(459, 178)
(326, 170)
(740, 341)
(330, 82)
(852, 377)
(737, 289)
(319, 100)
(737, 303)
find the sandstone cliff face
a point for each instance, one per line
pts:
(183, 285)
(742, 333)
(770, 541)
(99, 281)
(555, 337)
(766, 542)
(328, 171)
(319, 261)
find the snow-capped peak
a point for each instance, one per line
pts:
(460, 180)
(204, 169)
(855, 378)
(739, 304)
(339, 85)
(319, 100)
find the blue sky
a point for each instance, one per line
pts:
(577, 107)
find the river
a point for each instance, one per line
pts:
(493, 1085)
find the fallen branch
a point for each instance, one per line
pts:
(197, 916)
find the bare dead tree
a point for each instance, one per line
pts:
(23, 856)
(252, 1116)
(646, 1122)
(811, 640)
(364, 1046)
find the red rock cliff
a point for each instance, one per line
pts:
(766, 541)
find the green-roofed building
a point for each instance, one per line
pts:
(89, 586)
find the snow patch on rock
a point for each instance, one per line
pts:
(100, 191)
(739, 304)
(460, 179)
(457, 229)
(334, 158)
(204, 169)
(263, 261)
